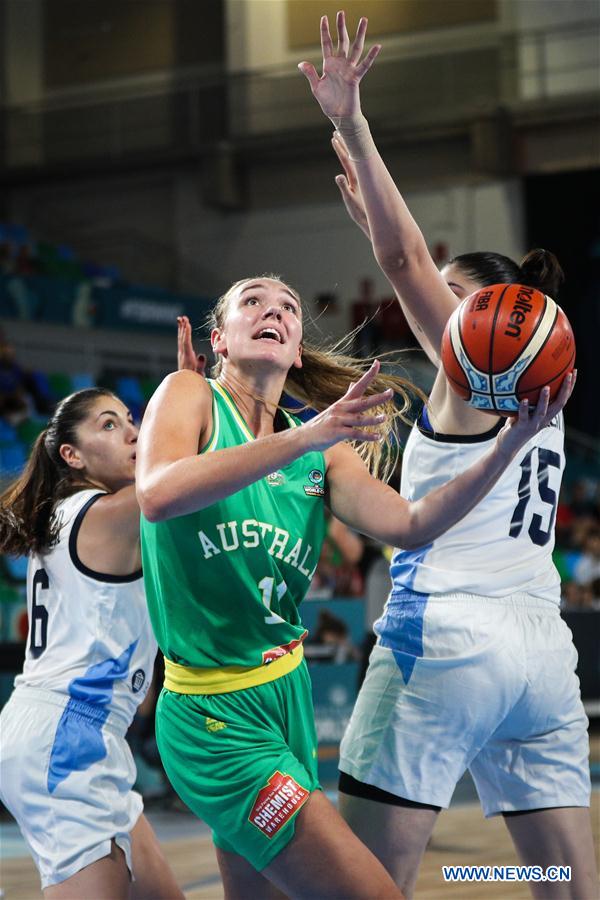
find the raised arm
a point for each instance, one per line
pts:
(398, 243)
(173, 480)
(375, 509)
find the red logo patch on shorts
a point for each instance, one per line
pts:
(276, 803)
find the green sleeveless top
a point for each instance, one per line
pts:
(224, 584)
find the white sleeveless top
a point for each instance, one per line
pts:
(89, 634)
(504, 545)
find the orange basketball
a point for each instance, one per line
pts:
(503, 344)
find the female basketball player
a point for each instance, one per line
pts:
(230, 539)
(66, 771)
(473, 667)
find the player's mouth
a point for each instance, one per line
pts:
(269, 334)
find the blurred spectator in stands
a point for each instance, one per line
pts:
(331, 641)
(14, 399)
(587, 569)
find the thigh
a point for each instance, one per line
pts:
(241, 880)
(396, 835)
(557, 837)
(107, 878)
(343, 868)
(154, 877)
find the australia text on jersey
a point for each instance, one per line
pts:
(230, 536)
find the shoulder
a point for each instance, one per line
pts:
(182, 391)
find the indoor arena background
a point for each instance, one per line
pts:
(154, 151)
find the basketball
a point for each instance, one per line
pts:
(503, 344)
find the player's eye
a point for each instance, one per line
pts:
(290, 307)
(251, 301)
(109, 425)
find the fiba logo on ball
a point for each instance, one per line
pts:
(503, 344)
(137, 680)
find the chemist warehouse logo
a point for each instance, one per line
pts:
(276, 803)
(315, 488)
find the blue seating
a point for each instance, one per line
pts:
(16, 567)
(12, 459)
(129, 390)
(82, 380)
(8, 434)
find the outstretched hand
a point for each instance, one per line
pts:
(337, 90)
(346, 419)
(527, 423)
(187, 358)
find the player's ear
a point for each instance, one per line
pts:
(218, 342)
(71, 456)
(297, 364)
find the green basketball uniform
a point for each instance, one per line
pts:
(235, 724)
(224, 584)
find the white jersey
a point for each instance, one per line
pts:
(504, 545)
(89, 634)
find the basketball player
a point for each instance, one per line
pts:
(232, 491)
(66, 771)
(473, 666)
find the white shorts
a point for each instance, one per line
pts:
(68, 807)
(460, 681)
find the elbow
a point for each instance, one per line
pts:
(391, 260)
(151, 505)
(398, 254)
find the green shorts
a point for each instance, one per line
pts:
(244, 762)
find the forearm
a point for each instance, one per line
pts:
(443, 507)
(395, 236)
(187, 485)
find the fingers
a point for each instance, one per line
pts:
(343, 39)
(326, 42)
(541, 408)
(566, 389)
(364, 403)
(309, 71)
(368, 61)
(359, 41)
(357, 390)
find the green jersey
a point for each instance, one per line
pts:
(224, 584)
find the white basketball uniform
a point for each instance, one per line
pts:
(66, 771)
(474, 666)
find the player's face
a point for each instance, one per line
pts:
(263, 325)
(106, 444)
(459, 283)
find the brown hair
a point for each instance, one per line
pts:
(538, 269)
(326, 374)
(27, 522)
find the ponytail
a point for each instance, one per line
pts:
(541, 269)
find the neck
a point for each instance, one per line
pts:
(256, 396)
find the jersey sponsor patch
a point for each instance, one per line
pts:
(315, 488)
(276, 803)
(276, 652)
(276, 478)
(137, 680)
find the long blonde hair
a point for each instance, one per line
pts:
(327, 372)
